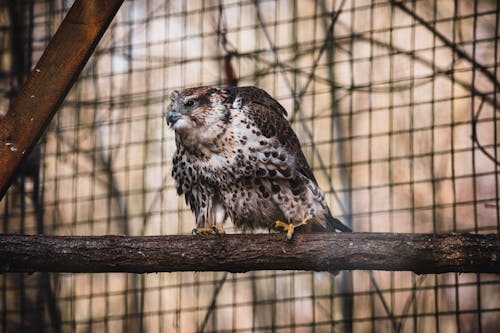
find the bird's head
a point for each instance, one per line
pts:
(198, 114)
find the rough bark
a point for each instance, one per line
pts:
(420, 253)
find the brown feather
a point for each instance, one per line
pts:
(269, 117)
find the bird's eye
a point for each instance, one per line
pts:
(189, 102)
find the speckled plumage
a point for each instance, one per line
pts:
(238, 157)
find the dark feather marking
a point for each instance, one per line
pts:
(227, 116)
(269, 117)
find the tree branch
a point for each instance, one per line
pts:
(420, 253)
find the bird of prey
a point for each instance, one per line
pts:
(238, 157)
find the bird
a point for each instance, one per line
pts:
(237, 157)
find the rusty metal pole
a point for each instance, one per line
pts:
(48, 84)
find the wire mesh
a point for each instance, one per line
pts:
(395, 103)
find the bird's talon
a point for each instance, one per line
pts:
(289, 232)
(289, 227)
(205, 231)
(219, 230)
(279, 224)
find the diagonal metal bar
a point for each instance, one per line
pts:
(52, 78)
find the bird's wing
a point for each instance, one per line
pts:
(269, 117)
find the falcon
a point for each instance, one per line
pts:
(238, 157)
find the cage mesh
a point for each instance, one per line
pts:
(395, 104)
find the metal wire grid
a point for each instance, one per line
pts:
(394, 102)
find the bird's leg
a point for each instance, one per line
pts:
(289, 227)
(220, 217)
(216, 219)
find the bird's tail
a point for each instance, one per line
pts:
(335, 224)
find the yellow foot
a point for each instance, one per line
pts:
(289, 227)
(214, 230)
(218, 228)
(203, 231)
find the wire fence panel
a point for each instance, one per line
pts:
(395, 103)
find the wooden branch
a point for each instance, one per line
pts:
(50, 81)
(420, 253)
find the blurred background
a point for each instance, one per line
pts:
(395, 103)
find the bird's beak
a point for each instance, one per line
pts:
(174, 113)
(172, 117)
